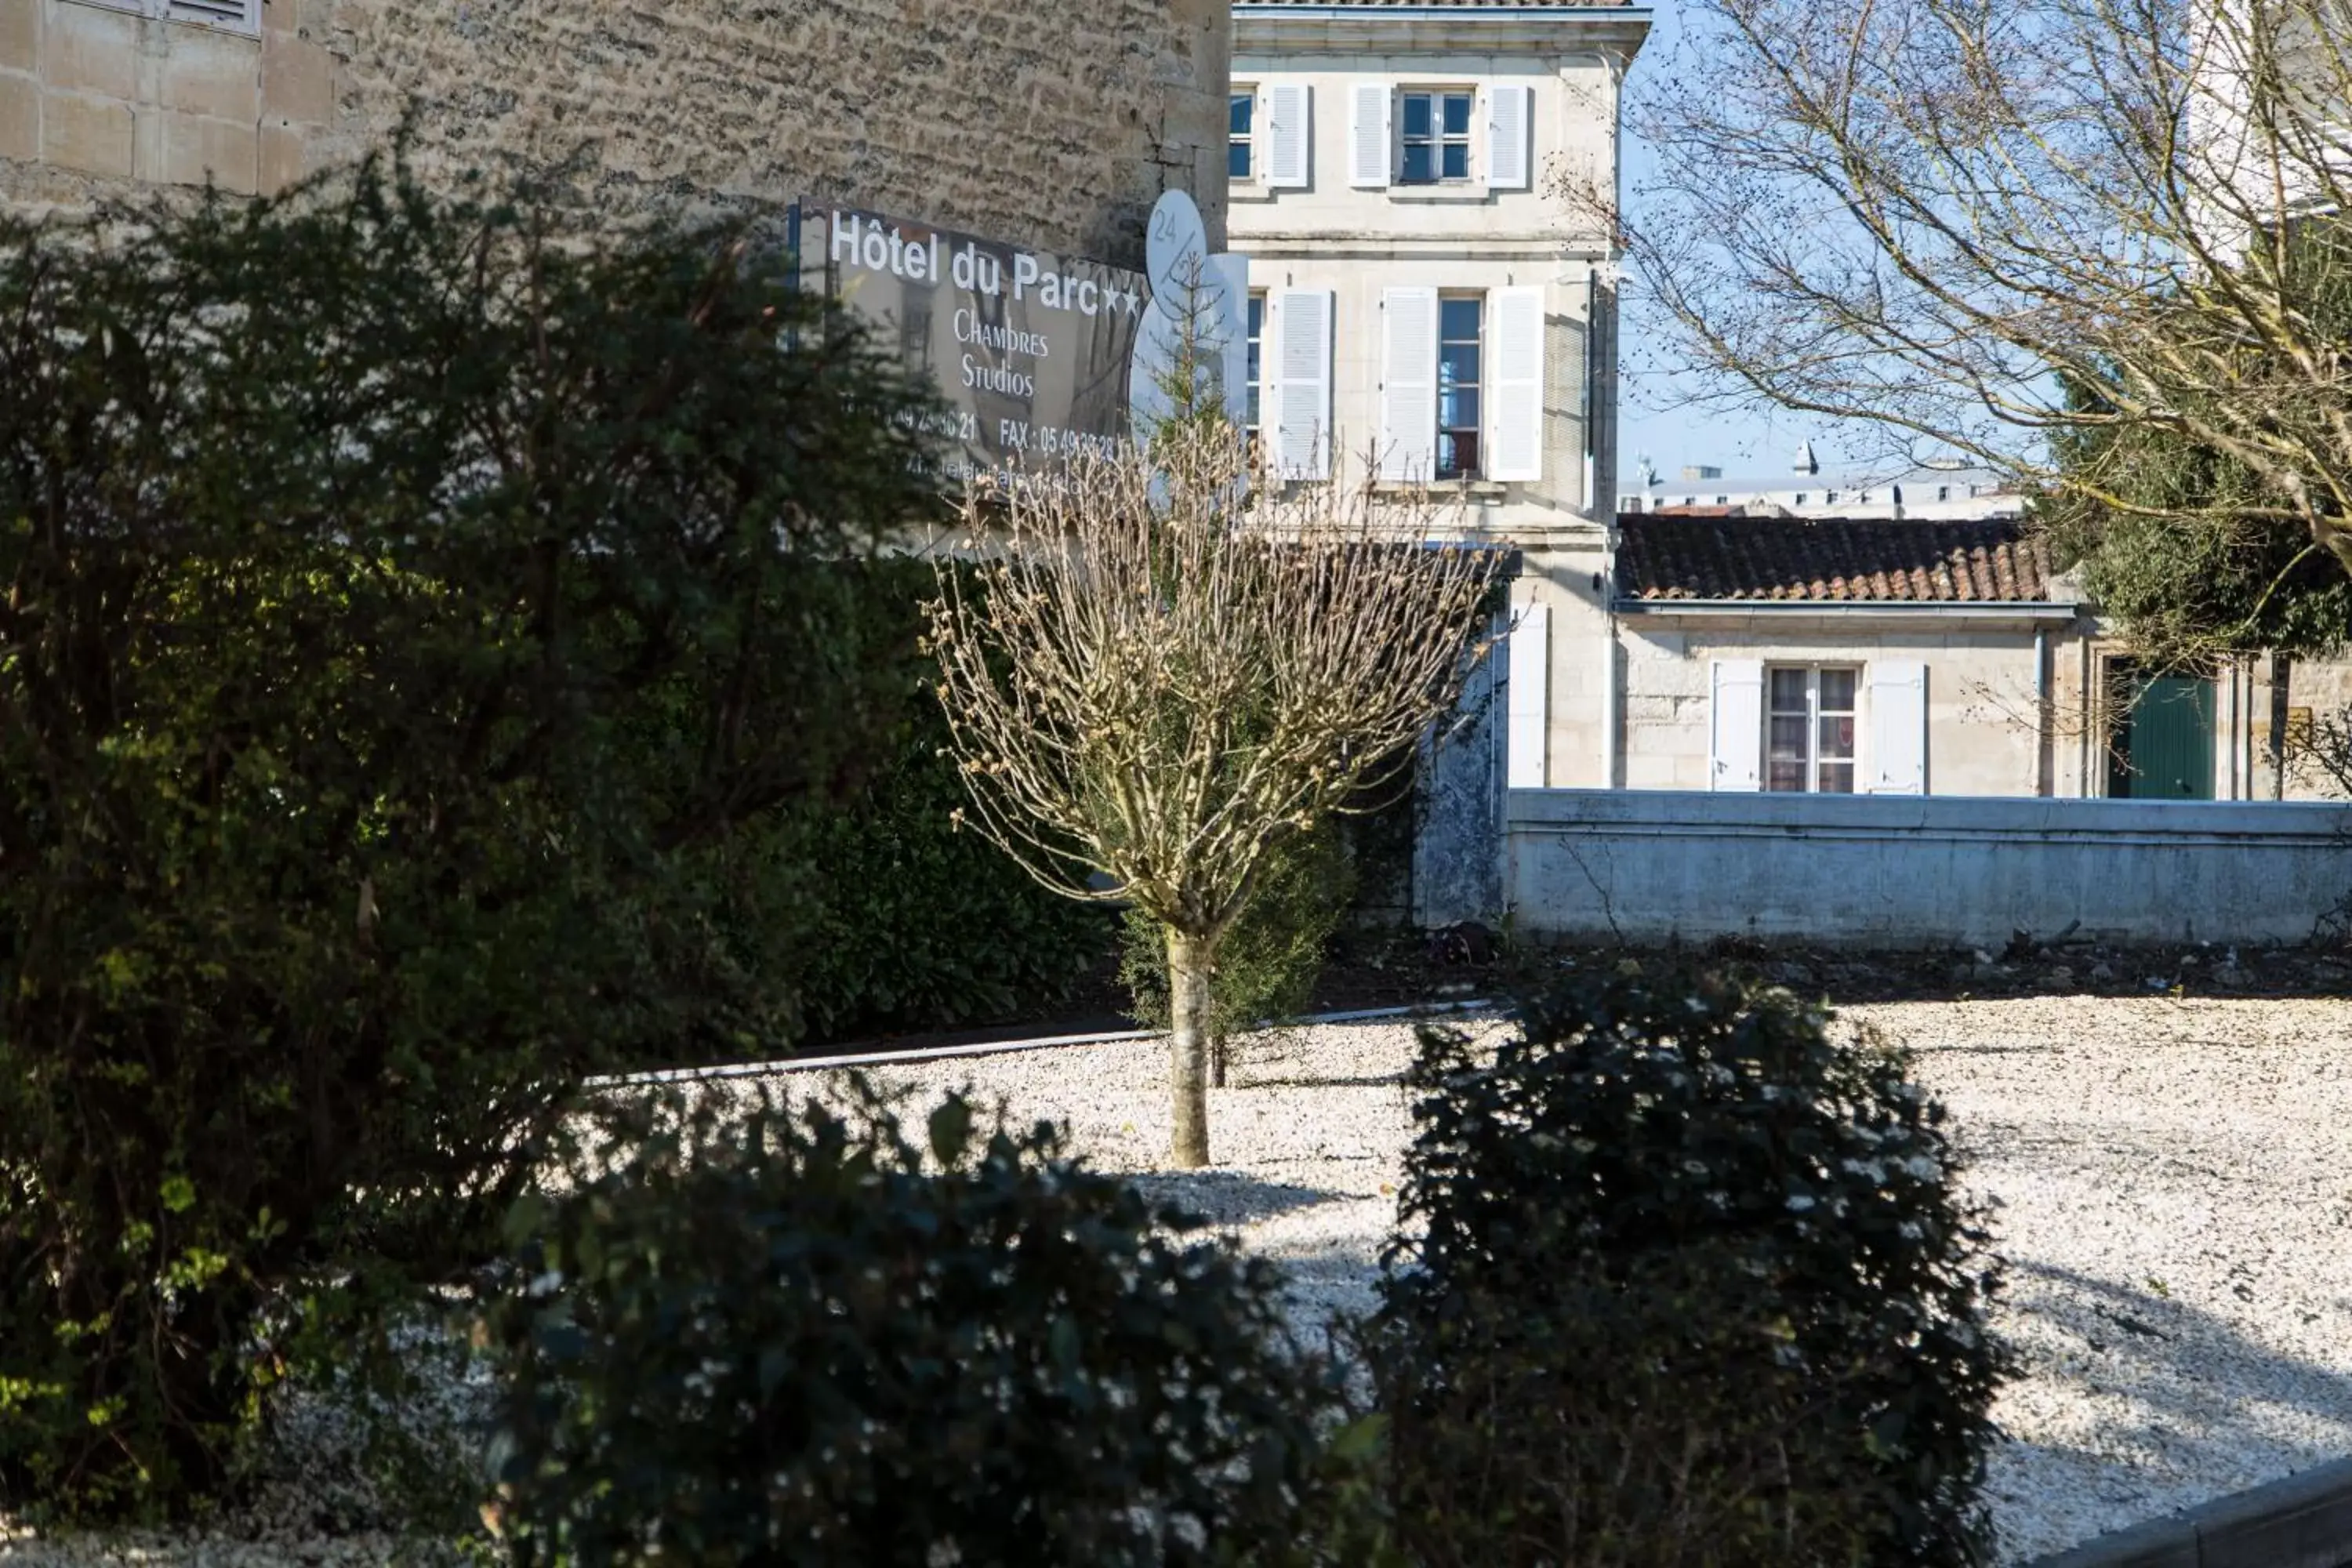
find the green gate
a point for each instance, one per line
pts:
(2165, 749)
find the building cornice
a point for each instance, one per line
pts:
(1429, 29)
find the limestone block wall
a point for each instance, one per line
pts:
(1053, 123)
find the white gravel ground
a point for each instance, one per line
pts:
(2170, 1181)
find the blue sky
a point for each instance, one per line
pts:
(1655, 416)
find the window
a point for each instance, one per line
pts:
(1256, 344)
(1801, 498)
(1436, 138)
(1458, 323)
(1723, 501)
(1829, 499)
(1241, 111)
(1943, 493)
(1809, 731)
(227, 16)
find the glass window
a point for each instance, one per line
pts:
(1256, 344)
(1809, 731)
(1436, 140)
(1239, 112)
(1458, 323)
(1801, 498)
(1829, 499)
(1943, 493)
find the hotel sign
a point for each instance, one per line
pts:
(1032, 352)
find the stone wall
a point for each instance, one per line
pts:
(1053, 123)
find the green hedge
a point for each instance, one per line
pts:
(893, 919)
(797, 1335)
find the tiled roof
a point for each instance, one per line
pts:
(1830, 559)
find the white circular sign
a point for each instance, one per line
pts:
(1176, 254)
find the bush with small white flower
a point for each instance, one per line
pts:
(1682, 1280)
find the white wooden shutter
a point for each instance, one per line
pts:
(229, 15)
(1368, 134)
(1526, 706)
(1735, 721)
(1515, 395)
(1288, 148)
(1408, 384)
(1229, 276)
(1898, 727)
(1300, 398)
(1507, 116)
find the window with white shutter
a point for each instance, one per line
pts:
(1527, 701)
(224, 15)
(1736, 724)
(1515, 385)
(1408, 384)
(1508, 113)
(1228, 274)
(1301, 383)
(1368, 135)
(1289, 129)
(1897, 717)
(229, 15)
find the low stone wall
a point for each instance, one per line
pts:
(1893, 872)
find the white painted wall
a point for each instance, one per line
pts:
(1541, 234)
(1918, 870)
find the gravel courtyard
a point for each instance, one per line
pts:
(2168, 1178)
(2170, 1181)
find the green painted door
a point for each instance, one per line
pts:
(2167, 747)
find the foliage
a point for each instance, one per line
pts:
(406, 611)
(2191, 548)
(1694, 1287)
(882, 914)
(784, 1334)
(1162, 686)
(1268, 963)
(1987, 225)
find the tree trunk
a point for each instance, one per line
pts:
(1188, 1050)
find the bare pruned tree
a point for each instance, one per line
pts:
(1153, 687)
(2000, 225)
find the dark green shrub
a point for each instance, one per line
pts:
(781, 1337)
(891, 917)
(1694, 1286)
(1267, 965)
(407, 612)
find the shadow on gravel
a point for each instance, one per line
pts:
(1229, 1198)
(2206, 1409)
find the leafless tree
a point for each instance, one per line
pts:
(2004, 225)
(1151, 687)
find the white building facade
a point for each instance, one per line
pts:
(1426, 193)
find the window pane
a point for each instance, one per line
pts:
(1457, 407)
(1238, 115)
(1457, 160)
(1837, 691)
(1788, 694)
(1237, 160)
(1785, 778)
(1837, 737)
(1785, 739)
(1416, 114)
(1837, 778)
(1458, 454)
(1457, 114)
(1256, 318)
(1457, 319)
(1420, 168)
(1457, 364)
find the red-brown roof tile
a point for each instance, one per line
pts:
(1831, 560)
